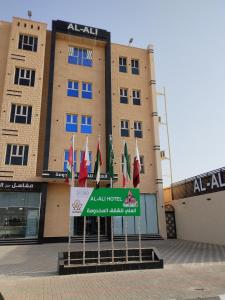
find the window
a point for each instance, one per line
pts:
(123, 64)
(28, 42)
(80, 56)
(90, 160)
(21, 114)
(66, 157)
(71, 123)
(87, 90)
(134, 66)
(136, 97)
(24, 77)
(137, 129)
(72, 89)
(123, 96)
(86, 124)
(124, 128)
(16, 154)
(142, 169)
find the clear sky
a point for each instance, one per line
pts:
(189, 41)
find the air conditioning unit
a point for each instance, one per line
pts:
(163, 154)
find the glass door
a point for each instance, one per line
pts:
(91, 226)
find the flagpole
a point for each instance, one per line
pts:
(72, 184)
(111, 175)
(84, 228)
(139, 218)
(98, 218)
(112, 233)
(125, 217)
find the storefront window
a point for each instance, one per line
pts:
(149, 221)
(19, 215)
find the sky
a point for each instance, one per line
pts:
(189, 42)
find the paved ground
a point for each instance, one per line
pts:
(191, 270)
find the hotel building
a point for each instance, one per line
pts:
(72, 80)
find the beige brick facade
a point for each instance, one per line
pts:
(50, 106)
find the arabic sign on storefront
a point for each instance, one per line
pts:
(19, 186)
(104, 202)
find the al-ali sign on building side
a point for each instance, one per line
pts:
(104, 202)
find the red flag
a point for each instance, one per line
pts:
(136, 171)
(83, 174)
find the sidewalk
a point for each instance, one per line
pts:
(191, 270)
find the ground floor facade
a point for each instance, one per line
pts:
(39, 211)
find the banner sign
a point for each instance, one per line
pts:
(210, 182)
(104, 202)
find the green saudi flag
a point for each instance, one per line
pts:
(98, 163)
(110, 158)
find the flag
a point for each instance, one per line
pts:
(126, 165)
(69, 165)
(83, 174)
(98, 163)
(137, 166)
(110, 158)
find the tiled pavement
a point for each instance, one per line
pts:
(191, 270)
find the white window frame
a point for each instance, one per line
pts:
(142, 164)
(17, 152)
(24, 77)
(124, 90)
(21, 112)
(124, 122)
(138, 125)
(123, 58)
(29, 44)
(135, 94)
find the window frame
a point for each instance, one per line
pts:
(14, 114)
(10, 155)
(125, 130)
(138, 132)
(71, 123)
(135, 98)
(72, 92)
(86, 127)
(66, 153)
(122, 66)
(142, 164)
(22, 45)
(135, 70)
(80, 58)
(21, 79)
(87, 93)
(123, 97)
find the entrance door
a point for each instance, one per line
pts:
(91, 226)
(171, 225)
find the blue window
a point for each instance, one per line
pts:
(86, 124)
(72, 88)
(87, 90)
(80, 56)
(90, 160)
(66, 157)
(71, 123)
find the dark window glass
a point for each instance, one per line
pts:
(123, 64)
(7, 157)
(123, 96)
(27, 42)
(12, 115)
(135, 66)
